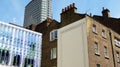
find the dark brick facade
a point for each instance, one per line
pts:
(45, 28)
(110, 22)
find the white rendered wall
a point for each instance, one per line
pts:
(72, 45)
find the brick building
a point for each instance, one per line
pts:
(49, 45)
(103, 39)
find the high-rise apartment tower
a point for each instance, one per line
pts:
(37, 11)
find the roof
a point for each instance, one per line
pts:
(110, 22)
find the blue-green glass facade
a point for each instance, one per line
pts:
(19, 47)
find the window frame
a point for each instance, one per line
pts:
(117, 42)
(106, 52)
(53, 35)
(103, 33)
(97, 65)
(118, 56)
(53, 54)
(94, 28)
(96, 48)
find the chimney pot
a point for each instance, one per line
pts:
(90, 14)
(73, 4)
(103, 8)
(62, 10)
(65, 8)
(70, 5)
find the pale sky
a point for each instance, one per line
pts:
(13, 10)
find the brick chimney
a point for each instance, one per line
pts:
(105, 13)
(67, 14)
(71, 8)
(31, 27)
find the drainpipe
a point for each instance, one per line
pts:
(110, 34)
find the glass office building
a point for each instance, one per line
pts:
(19, 47)
(37, 11)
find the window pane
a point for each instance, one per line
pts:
(97, 65)
(53, 35)
(105, 51)
(56, 34)
(94, 29)
(96, 47)
(118, 57)
(103, 33)
(53, 53)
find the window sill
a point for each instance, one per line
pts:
(118, 62)
(53, 58)
(117, 46)
(104, 37)
(98, 54)
(53, 40)
(106, 57)
(95, 32)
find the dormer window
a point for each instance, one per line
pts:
(53, 35)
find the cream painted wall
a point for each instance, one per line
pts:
(72, 45)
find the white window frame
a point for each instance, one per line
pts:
(118, 57)
(96, 48)
(53, 53)
(117, 42)
(103, 33)
(106, 52)
(94, 28)
(53, 35)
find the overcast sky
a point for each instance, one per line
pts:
(13, 10)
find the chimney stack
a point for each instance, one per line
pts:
(90, 14)
(105, 13)
(32, 27)
(70, 7)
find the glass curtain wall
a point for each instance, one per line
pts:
(19, 46)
